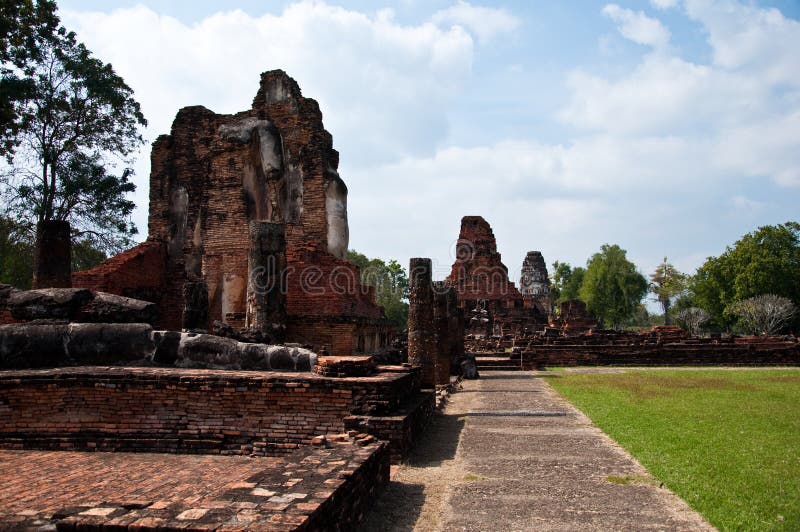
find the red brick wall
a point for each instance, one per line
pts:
(677, 354)
(340, 337)
(139, 272)
(146, 409)
(206, 186)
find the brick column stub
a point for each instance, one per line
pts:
(52, 259)
(422, 343)
(266, 265)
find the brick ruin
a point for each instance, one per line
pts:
(495, 309)
(435, 326)
(661, 346)
(248, 227)
(534, 283)
(247, 235)
(516, 329)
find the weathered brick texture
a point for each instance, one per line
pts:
(214, 175)
(186, 411)
(620, 349)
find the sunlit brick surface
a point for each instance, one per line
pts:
(311, 488)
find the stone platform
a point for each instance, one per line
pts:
(311, 489)
(198, 411)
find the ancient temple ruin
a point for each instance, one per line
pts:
(493, 305)
(534, 283)
(248, 227)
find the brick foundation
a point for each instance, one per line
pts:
(189, 411)
(312, 488)
(704, 352)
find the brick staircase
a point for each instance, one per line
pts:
(498, 361)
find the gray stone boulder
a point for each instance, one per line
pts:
(48, 303)
(39, 345)
(111, 308)
(193, 350)
(79, 305)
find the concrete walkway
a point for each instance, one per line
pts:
(509, 454)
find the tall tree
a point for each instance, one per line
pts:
(566, 283)
(24, 25)
(766, 261)
(612, 288)
(391, 285)
(73, 121)
(667, 283)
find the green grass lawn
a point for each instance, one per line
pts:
(726, 441)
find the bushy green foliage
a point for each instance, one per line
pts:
(24, 25)
(667, 283)
(643, 320)
(390, 280)
(16, 254)
(68, 119)
(612, 288)
(766, 261)
(566, 283)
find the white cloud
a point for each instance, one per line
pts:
(638, 27)
(747, 36)
(384, 88)
(747, 206)
(664, 4)
(646, 154)
(732, 119)
(485, 22)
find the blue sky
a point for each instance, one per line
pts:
(669, 127)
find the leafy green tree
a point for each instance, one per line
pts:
(16, 254)
(72, 119)
(612, 288)
(644, 320)
(766, 261)
(566, 283)
(24, 26)
(85, 255)
(391, 285)
(667, 283)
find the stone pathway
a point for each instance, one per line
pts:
(510, 454)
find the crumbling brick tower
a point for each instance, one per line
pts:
(215, 174)
(480, 277)
(534, 283)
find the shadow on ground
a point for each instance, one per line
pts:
(399, 506)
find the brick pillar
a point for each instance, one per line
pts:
(195, 305)
(266, 265)
(52, 258)
(422, 345)
(441, 317)
(455, 329)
